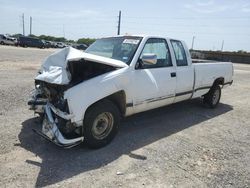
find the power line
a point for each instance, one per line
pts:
(180, 25)
(188, 18)
(188, 32)
(79, 24)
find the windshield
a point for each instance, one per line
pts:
(119, 48)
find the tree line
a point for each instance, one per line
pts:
(87, 41)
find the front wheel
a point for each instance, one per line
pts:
(212, 98)
(101, 124)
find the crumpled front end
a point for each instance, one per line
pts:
(47, 101)
(59, 73)
(50, 129)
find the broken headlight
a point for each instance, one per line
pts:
(62, 104)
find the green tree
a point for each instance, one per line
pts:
(87, 41)
(241, 52)
(16, 35)
(34, 36)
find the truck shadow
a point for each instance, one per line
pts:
(135, 132)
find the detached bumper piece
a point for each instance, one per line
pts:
(33, 102)
(51, 132)
(37, 105)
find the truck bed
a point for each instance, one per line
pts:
(206, 73)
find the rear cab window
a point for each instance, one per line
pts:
(179, 52)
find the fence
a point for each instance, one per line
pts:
(221, 56)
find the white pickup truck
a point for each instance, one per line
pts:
(81, 96)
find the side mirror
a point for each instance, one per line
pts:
(149, 59)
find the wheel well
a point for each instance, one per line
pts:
(118, 98)
(219, 81)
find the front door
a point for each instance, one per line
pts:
(154, 85)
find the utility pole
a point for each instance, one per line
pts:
(63, 31)
(23, 25)
(222, 45)
(30, 25)
(119, 23)
(193, 42)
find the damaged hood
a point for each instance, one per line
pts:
(54, 68)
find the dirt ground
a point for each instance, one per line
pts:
(182, 145)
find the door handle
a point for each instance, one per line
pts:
(173, 74)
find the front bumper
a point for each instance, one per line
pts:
(51, 132)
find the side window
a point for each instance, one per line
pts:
(179, 51)
(160, 48)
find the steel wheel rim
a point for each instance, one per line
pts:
(102, 125)
(216, 96)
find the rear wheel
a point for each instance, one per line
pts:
(101, 124)
(212, 98)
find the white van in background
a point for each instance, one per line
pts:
(4, 39)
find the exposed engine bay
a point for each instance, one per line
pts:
(83, 70)
(80, 71)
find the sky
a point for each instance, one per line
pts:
(210, 22)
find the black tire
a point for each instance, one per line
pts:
(212, 98)
(103, 109)
(2, 43)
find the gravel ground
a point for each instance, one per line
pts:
(182, 145)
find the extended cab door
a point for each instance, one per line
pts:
(184, 71)
(154, 85)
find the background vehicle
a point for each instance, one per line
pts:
(53, 44)
(31, 42)
(80, 46)
(60, 45)
(4, 39)
(48, 44)
(87, 93)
